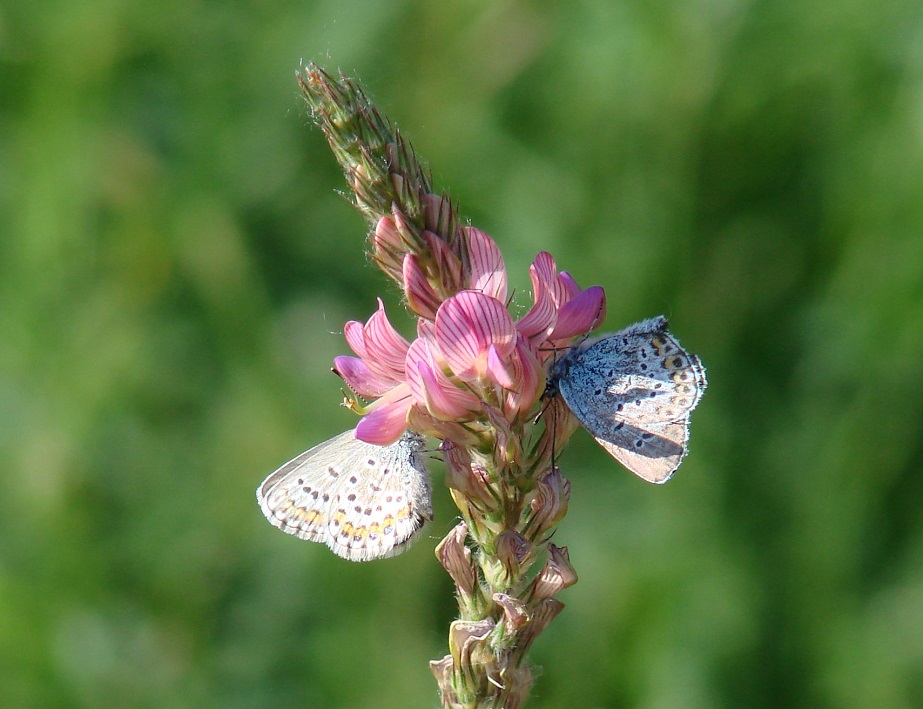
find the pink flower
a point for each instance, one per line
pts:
(469, 355)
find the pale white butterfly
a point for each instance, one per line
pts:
(633, 390)
(363, 501)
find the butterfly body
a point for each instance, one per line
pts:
(633, 391)
(363, 501)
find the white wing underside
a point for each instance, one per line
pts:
(363, 501)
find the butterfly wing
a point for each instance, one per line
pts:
(385, 511)
(363, 501)
(652, 452)
(634, 391)
(639, 372)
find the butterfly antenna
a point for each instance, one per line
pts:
(554, 436)
(554, 418)
(595, 324)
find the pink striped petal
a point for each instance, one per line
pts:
(358, 377)
(580, 315)
(389, 246)
(420, 354)
(467, 324)
(487, 273)
(386, 237)
(385, 347)
(355, 337)
(538, 323)
(530, 377)
(568, 287)
(561, 286)
(543, 268)
(420, 295)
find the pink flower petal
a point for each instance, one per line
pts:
(419, 420)
(443, 400)
(358, 377)
(355, 337)
(487, 273)
(530, 377)
(389, 245)
(420, 355)
(385, 347)
(387, 237)
(538, 323)
(447, 265)
(467, 324)
(420, 295)
(581, 314)
(426, 330)
(433, 389)
(568, 287)
(385, 423)
(497, 370)
(544, 268)
(561, 286)
(436, 211)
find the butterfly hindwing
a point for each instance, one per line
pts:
(653, 452)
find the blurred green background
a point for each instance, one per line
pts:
(175, 267)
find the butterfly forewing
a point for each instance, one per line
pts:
(363, 501)
(636, 374)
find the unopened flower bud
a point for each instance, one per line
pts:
(552, 495)
(421, 298)
(455, 557)
(446, 264)
(542, 614)
(557, 574)
(515, 613)
(471, 479)
(439, 216)
(468, 645)
(512, 550)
